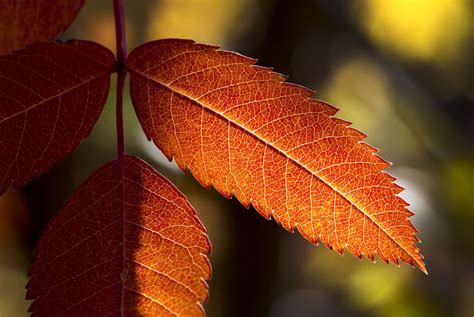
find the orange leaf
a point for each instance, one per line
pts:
(24, 22)
(51, 95)
(242, 129)
(143, 253)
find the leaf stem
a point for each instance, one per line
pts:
(121, 53)
(121, 73)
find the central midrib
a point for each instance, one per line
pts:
(43, 101)
(282, 152)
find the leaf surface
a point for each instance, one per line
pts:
(242, 129)
(24, 22)
(102, 255)
(51, 95)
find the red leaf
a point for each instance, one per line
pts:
(102, 255)
(240, 128)
(24, 22)
(51, 95)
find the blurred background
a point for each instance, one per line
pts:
(402, 71)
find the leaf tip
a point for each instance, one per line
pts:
(418, 263)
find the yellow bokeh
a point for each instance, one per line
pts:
(433, 30)
(205, 21)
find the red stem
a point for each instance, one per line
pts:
(121, 73)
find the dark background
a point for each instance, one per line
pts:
(402, 71)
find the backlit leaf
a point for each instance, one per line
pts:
(51, 95)
(24, 22)
(242, 129)
(102, 255)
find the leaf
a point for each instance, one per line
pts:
(102, 255)
(51, 95)
(24, 22)
(242, 129)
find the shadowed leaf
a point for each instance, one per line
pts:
(51, 95)
(24, 22)
(102, 255)
(242, 129)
